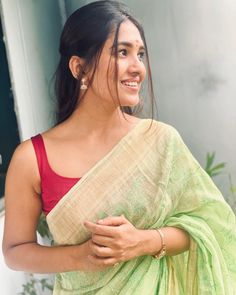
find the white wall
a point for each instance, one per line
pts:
(32, 30)
(72, 5)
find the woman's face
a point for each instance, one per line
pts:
(131, 68)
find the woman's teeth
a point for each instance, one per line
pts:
(131, 84)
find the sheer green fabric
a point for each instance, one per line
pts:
(151, 177)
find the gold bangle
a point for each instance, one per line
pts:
(161, 252)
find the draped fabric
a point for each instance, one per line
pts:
(151, 177)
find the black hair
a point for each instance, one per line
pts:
(84, 34)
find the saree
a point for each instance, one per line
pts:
(151, 178)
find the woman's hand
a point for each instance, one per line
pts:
(114, 240)
(85, 263)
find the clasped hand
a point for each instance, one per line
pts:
(113, 240)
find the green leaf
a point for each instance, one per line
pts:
(210, 159)
(42, 227)
(219, 166)
(233, 189)
(213, 170)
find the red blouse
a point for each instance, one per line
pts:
(53, 186)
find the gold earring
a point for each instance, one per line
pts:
(83, 86)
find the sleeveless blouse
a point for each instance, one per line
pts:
(53, 185)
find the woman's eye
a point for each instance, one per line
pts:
(141, 55)
(122, 52)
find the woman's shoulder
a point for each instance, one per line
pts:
(24, 152)
(162, 129)
(23, 164)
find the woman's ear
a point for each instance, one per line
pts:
(75, 65)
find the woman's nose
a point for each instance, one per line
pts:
(136, 65)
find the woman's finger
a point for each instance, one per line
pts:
(102, 240)
(102, 251)
(103, 261)
(98, 229)
(113, 220)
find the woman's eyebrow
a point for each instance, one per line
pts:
(128, 44)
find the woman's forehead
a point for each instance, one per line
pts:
(128, 34)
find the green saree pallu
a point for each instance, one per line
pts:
(151, 178)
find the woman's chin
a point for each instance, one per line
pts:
(130, 102)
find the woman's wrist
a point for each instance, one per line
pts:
(77, 257)
(150, 243)
(162, 252)
(176, 240)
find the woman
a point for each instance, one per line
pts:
(123, 196)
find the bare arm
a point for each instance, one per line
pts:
(23, 208)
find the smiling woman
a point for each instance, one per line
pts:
(126, 58)
(129, 208)
(94, 56)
